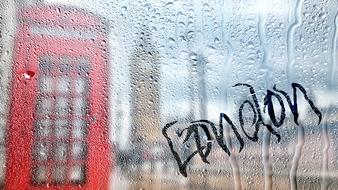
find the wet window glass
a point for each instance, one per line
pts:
(168, 94)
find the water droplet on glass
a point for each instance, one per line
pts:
(28, 74)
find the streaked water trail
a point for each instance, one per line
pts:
(233, 158)
(325, 133)
(296, 157)
(290, 40)
(333, 65)
(267, 165)
(289, 71)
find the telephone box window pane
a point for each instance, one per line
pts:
(79, 150)
(45, 105)
(60, 151)
(43, 128)
(81, 85)
(59, 174)
(46, 65)
(65, 68)
(46, 84)
(79, 128)
(64, 85)
(83, 67)
(77, 174)
(62, 106)
(41, 151)
(61, 128)
(80, 106)
(40, 175)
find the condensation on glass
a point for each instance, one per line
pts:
(173, 62)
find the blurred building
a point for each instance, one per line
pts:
(145, 75)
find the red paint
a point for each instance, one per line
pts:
(32, 43)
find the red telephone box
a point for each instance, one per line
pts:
(57, 128)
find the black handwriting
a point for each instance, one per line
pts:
(204, 150)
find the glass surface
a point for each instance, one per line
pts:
(200, 94)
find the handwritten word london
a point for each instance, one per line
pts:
(218, 136)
